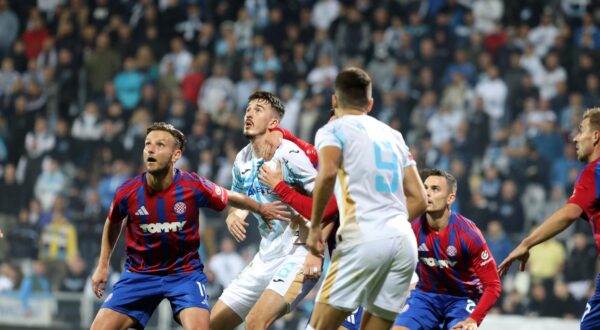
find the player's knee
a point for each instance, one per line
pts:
(255, 321)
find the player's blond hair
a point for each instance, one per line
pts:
(594, 115)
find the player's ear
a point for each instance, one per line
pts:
(274, 122)
(334, 102)
(451, 198)
(370, 105)
(176, 156)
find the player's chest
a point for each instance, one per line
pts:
(252, 185)
(173, 209)
(437, 252)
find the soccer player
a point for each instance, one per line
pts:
(458, 283)
(584, 202)
(162, 237)
(377, 190)
(273, 283)
(303, 205)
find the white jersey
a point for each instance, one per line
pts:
(297, 170)
(369, 189)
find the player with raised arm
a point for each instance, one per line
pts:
(273, 283)
(584, 202)
(458, 283)
(377, 190)
(162, 206)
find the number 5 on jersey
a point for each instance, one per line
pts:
(383, 150)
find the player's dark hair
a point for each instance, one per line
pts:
(450, 179)
(270, 98)
(594, 115)
(177, 134)
(353, 88)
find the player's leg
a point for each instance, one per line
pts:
(108, 319)
(188, 298)
(238, 298)
(287, 287)
(456, 310)
(385, 299)
(132, 302)
(193, 318)
(325, 317)
(421, 312)
(223, 317)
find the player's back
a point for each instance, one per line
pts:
(369, 187)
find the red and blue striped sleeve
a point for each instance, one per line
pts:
(215, 196)
(587, 190)
(119, 208)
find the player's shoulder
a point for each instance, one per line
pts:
(130, 184)
(288, 147)
(187, 177)
(590, 169)
(467, 229)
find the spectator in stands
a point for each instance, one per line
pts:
(128, 84)
(179, 57)
(579, 265)
(12, 193)
(547, 261)
(50, 183)
(36, 282)
(500, 245)
(227, 263)
(510, 209)
(23, 238)
(101, 65)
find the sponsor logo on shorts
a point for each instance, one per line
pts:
(166, 227)
(404, 309)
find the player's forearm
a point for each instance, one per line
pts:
(110, 235)
(301, 203)
(492, 288)
(555, 224)
(321, 195)
(242, 201)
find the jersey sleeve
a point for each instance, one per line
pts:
(330, 135)
(213, 196)
(301, 203)
(585, 193)
(237, 184)
(300, 170)
(309, 149)
(484, 266)
(407, 157)
(118, 209)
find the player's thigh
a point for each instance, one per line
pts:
(186, 291)
(247, 287)
(289, 281)
(457, 309)
(352, 273)
(420, 312)
(373, 322)
(325, 317)
(269, 307)
(387, 300)
(135, 295)
(108, 319)
(222, 317)
(194, 318)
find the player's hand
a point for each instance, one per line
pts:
(237, 227)
(315, 241)
(313, 266)
(468, 324)
(520, 253)
(274, 211)
(99, 280)
(269, 177)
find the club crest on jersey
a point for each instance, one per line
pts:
(179, 208)
(451, 251)
(484, 255)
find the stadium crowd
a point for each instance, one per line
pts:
(485, 89)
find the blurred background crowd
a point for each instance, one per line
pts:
(489, 90)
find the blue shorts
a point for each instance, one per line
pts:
(424, 311)
(591, 317)
(137, 295)
(352, 322)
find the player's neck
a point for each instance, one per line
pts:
(595, 155)
(351, 112)
(438, 220)
(258, 143)
(160, 181)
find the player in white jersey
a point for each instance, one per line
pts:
(378, 190)
(273, 283)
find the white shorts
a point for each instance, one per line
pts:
(282, 275)
(375, 274)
